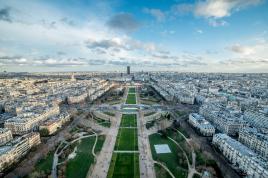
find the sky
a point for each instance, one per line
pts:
(148, 35)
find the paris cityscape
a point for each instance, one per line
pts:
(134, 89)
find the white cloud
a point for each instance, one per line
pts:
(157, 13)
(221, 8)
(244, 50)
(213, 10)
(251, 58)
(181, 9)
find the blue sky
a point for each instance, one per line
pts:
(154, 35)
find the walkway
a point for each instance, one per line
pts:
(163, 166)
(126, 151)
(146, 160)
(191, 167)
(102, 165)
(56, 154)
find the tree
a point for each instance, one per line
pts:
(168, 116)
(44, 132)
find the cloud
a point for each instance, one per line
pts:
(213, 10)
(182, 9)
(221, 8)
(5, 14)
(123, 21)
(97, 62)
(245, 61)
(49, 61)
(104, 44)
(199, 31)
(163, 56)
(244, 50)
(168, 32)
(10, 60)
(117, 44)
(67, 21)
(217, 22)
(157, 13)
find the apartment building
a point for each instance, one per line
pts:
(241, 156)
(222, 118)
(17, 148)
(27, 122)
(255, 140)
(257, 118)
(55, 122)
(5, 136)
(201, 124)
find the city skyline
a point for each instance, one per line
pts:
(178, 35)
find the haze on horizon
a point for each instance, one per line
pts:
(158, 35)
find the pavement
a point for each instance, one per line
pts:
(56, 154)
(101, 168)
(145, 158)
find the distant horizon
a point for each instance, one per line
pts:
(124, 72)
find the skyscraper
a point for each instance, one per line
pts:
(128, 70)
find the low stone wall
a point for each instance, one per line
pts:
(153, 116)
(102, 115)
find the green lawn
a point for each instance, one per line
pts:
(131, 90)
(161, 172)
(127, 139)
(131, 98)
(45, 165)
(106, 124)
(178, 137)
(109, 113)
(78, 167)
(175, 160)
(124, 165)
(129, 120)
(103, 122)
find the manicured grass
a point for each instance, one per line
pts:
(78, 167)
(129, 120)
(161, 172)
(175, 160)
(106, 124)
(183, 132)
(124, 165)
(102, 122)
(45, 165)
(131, 90)
(178, 137)
(131, 98)
(127, 139)
(109, 113)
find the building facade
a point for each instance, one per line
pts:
(5, 136)
(241, 156)
(256, 141)
(17, 149)
(201, 124)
